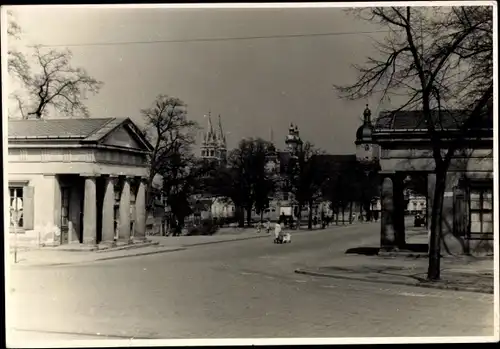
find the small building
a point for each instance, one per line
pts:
(405, 149)
(77, 181)
(416, 204)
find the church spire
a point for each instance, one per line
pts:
(222, 136)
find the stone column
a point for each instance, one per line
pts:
(387, 236)
(124, 215)
(90, 211)
(140, 212)
(399, 210)
(108, 210)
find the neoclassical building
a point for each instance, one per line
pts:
(77, 181)
(405, 149)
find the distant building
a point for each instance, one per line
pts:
(416, 204)
(214, 146)
(283, 201)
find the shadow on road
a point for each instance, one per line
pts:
(372, 251)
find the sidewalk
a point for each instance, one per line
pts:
(457, 273)
(160, 244)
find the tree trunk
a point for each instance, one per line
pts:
(299, 216)
(241, 216)
(350, 213)
(249, 216)
(343, 214)
(434, 270)
(261, 216)
(310, 218)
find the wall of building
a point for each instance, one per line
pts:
(76, 161)
(454, 241)
(45, 207)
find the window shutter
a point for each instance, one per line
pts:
(28, 207)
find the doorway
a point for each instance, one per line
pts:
(65, 209)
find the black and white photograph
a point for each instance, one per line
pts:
(250, 174)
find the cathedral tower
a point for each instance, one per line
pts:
(214, 145)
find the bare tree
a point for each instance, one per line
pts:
(172, 135)
(55, 84)
(307, 175)
(454, 71)
(16, 62)
(17, 65)
(50, 81)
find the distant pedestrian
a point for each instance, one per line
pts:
(315, 221)
(277, 230)
(259, 226)
(268, 226)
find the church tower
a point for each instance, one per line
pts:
(366, 151)
(214, 145)
(293, 141)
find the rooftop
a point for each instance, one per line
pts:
(414, 119)
(88, 128)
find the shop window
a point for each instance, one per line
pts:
(481, 213)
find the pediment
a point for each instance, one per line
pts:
(124, 137)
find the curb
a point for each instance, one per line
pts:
(221, 241)
(138, 254)
(98, 259)
(415, 284)
(181, 248)
(127, 247)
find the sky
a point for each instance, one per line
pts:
(256, 85)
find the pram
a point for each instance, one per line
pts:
(282, 238)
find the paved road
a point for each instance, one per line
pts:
(243, 289)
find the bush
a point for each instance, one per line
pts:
(207, 227)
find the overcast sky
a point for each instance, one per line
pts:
(256, 85)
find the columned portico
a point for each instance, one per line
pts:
(399, 209)
(90, 210)
(124, 233)
(140, 211)
(392, 233)
(387, 234)
(76, 181)
(108, 212)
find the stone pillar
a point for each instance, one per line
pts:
(108, 210)
(90, 211)
(140, 212)
(387, 235)
(399, 210)
(124, 213)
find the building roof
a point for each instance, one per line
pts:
(414, 119)
(80, 129)
(57, 128)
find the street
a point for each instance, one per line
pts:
(240, 289)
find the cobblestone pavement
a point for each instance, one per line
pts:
(241, 289)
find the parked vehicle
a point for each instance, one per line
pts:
(419, 220)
